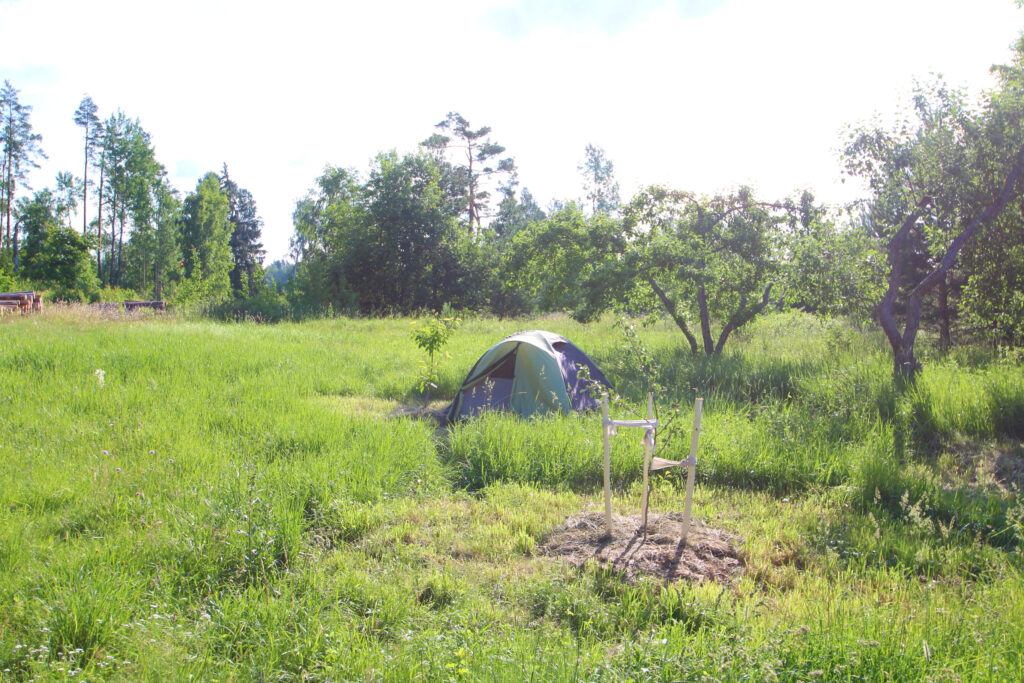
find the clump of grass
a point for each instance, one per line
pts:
(440, 590)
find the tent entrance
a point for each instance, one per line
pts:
(492, 388)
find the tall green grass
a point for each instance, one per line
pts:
(231, 503)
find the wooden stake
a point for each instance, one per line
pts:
(607, 465)
(648, 453)
(691, 468)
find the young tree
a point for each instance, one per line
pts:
(20, 151)
(56, 255)
(167, 239)
(67, 193)
(700, 259)
(206, 234)
(87, 117)
(941, 176)
(481, 164)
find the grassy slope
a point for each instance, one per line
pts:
(229, 504)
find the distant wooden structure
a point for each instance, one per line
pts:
(20, 302)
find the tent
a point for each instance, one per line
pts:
(528, 373)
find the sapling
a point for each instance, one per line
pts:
(432, 336)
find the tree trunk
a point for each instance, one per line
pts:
(16, 247)
(85, 186)
(99, 222)
(705, 321)
(10, 199)
(945, 341)
(905, 363)
(673, 310)
(4, 203)
(120, 245)
(742, 316)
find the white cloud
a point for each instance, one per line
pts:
(746, 91)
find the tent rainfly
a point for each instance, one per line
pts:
(528, 373)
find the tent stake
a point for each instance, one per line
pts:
(691, 466)
(607, 465)
(647, 464)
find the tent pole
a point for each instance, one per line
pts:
(647, 464)
(607, 465)
(691, 466)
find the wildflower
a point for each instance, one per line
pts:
(100, 375)
(117, 469)
(106, 452)
(152, 452)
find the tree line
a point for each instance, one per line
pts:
(937, 243)
(138, 235)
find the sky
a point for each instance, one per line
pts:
(700, 95)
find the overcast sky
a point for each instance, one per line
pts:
(698, 94)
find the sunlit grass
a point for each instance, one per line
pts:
(232, 503)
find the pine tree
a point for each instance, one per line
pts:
(20, 151)
(86, 116)
(246, 227)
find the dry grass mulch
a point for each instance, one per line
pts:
(708, 554)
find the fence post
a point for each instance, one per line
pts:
(607, 465)
(691, 466)
(648, 453)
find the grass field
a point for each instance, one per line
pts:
(226, 501)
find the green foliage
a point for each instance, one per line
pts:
(116, 295)
(206, 243)
(389, 244)
(602, 190)
(941, 178)
(20, 149)
(55, 256)
(131, 184)
(466, 183)
(432, 336)
(263, 304)
(62, 263)
(246, 226)
(832, 269)
(559, 261)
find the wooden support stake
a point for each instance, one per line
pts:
(607, 465)
(691, 468)
(648, 454)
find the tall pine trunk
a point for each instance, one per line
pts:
(99, 222)
(120, 244)
(85, 187)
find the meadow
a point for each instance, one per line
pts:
(184, 499)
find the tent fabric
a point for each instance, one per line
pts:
(528, 373)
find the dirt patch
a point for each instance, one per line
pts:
(707, 554)
(420, 412)
(986, 466)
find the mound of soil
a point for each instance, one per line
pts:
(707, 554)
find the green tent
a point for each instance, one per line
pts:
(528, 373)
